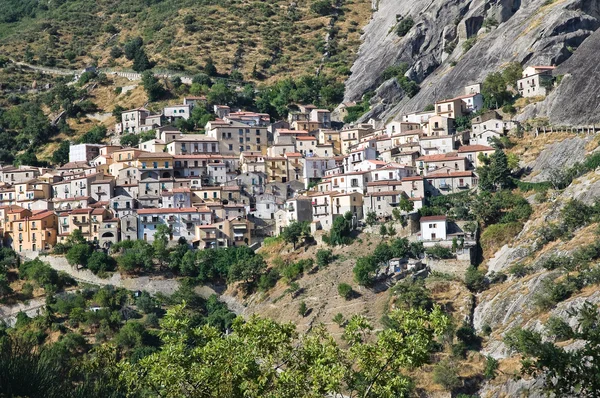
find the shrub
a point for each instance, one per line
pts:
(445, 374)
(497, 235)
(364, 270)
(404, 26)
(469, 43)
(324, 258)
(268, 280)
(412, 294)
(345, 290)
(475, 279)
(559, 329)
(491, 368)
(519, 270)
(302, 309)
(338, 319)
(439, 252)
(486, 329)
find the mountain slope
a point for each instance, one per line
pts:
(274, 38)
(439, 50)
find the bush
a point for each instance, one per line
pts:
(497, 235)
(445, 374)
(519, 270)
(469, 43)
(321, 7)
(404, 26)
(439, 252)
(302, 309)
(364, 270)
(324, 258)
(345, 290)
(412, 294)
(475, 279)
(338, 319)
(559, 329)
(268, 280)
(491, 368)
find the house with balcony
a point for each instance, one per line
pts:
(396, 127)
(322, 117)
(351, 136)
(135, 121)
(181, 222)
(155, 165)
(382, 203)
(451, 161)
(295, 209)
(535, 81)
(34, 232)
(226, 233)
(277, 169)
(123, 205)
(76, 219)
(235, 137)
(321, 209)
(33, 194)
(102, 190)
(194, 144)
(74, 187)
(315, 167)
(174, 112)
(177, 198)
(105, 227)
(445, 181)
(267, 205)
(332, 137)
(473, 153)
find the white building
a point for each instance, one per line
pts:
(433, 228)
(181, 222)
(177, 112)
(84, 152)
(535, 80)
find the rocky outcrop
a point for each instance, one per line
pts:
(557, 155)
(529, 32)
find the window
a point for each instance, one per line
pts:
(155, 165)
(230, 147)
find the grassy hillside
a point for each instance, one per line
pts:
(269, 38)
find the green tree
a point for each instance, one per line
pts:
(220, 94)
(371, 218)
(511, 73)
(324, 257)
(494, 91)
(160, 244)
(94, 136)
(364, 270)
(445, 374)
(61, 155)
(5, 289)
(130, 140)
(345, 290)
(209, 68)
(152, 86)
(100, 262)
(247, 270)
(475, 279)
(79, 254)
(369, 365)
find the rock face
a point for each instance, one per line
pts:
(528, 32)
(558, 155)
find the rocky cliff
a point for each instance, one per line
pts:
(531, 32)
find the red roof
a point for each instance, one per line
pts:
(441, 174)
(440, 158)
(169, 211)
(433, 218)
(474, 148)
(42, 215)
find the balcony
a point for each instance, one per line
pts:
(79, 222)
(444, 186)
(153, 220)
(463, 185)
(171, 219)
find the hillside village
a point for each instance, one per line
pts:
(248, 178)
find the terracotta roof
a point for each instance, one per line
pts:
(441, 174)
(433, 218)
(146, 155)
(98, 211)
(169, 211)
(81, 211)
(416, 178)
(384, 193)
(441, 157)
(41, 215)
(383, 183)
(474, 148)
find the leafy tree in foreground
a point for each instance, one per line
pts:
(565, 372)
(254, 360)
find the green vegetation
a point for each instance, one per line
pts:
(404, 26)
(410, 87)
(345, 290)
(356, 111)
